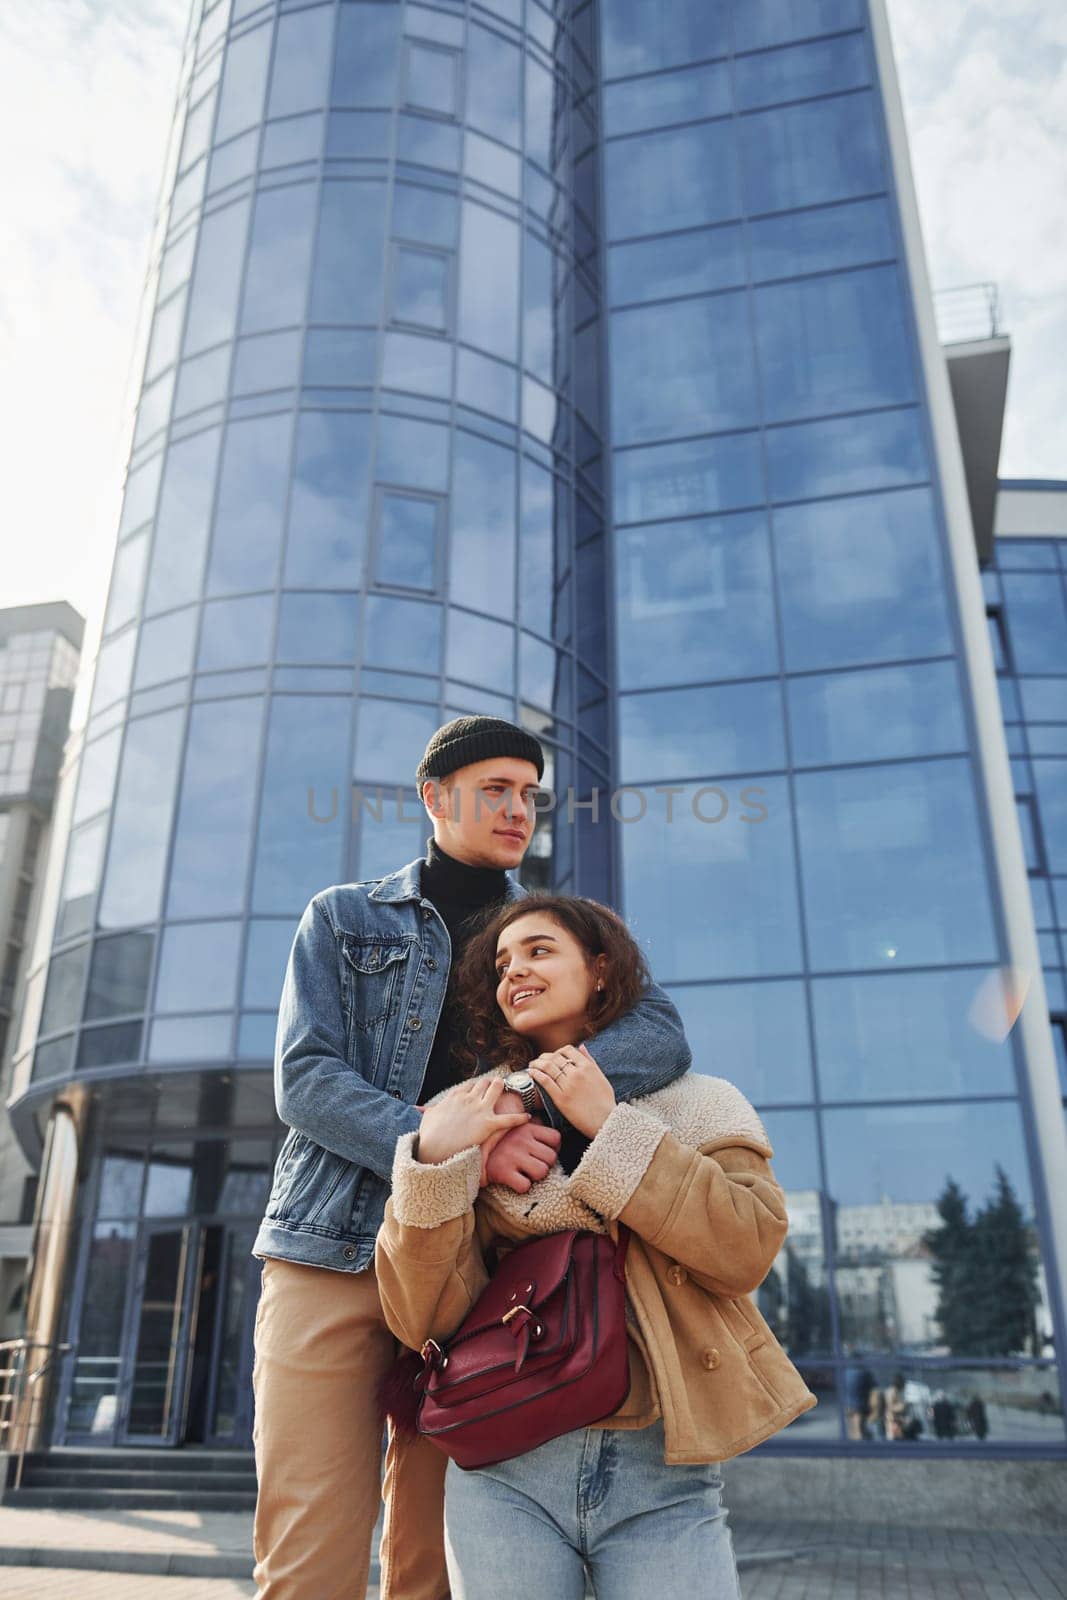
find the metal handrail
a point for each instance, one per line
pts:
(20, 1399)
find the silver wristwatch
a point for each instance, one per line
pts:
(523, 1085)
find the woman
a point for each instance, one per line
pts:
(637, 1497)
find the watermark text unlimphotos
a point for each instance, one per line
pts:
(709, 803)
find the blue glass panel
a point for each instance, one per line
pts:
(304, 804)
(416, 364)
(430, 143)
(682, 368)
(144, 801)
(1037, 623)
(361, 134)
(487, 385)
(327, 514)
(1008, 693)
(1041, 900)
(489, 281)
(906, 1036)
(139, 497)
(539, 315)
(233, 161)
(347, 282)
(235, 633)
(114, 667)
(494, 94)
(339, 357)
(544, 548)
(278, 258)
(251, 505)
(318, 628)
(118, 976)
(894, 866)
(266, 957)
(710, 880)
(482, 570)
(301, 62)
(391, 833)
(1026, 555)
(190, 1039)
(832, 344)
(165, 650)
(202, 380)
(711, 259)
(674, 480)
(541, 105)
(62, 1003)
(166, 333)
(688, 96)
(403, 634)
(217, 279)
(368, 51)
(104, 1047)
(837, 457)
(701, 733)
(481, 651)
(96, 781)
(256, 1034)
(127, 576)
(295, 139)
(887, 598)
(545, 677)
(244, 80)
(407, 541)
(1048, 741)
(879, 715)
(801, 155)
(419, 287)
(673, 180)
(266, 361)
(800, 72)
(755, 1034)
(412, 455)
(431, 78)
(1050, 780)
(427, 216)
(391, 737)
(637, 37)
(177, 564)
(1044, 699)
(198, 966)
(763, 22)
(81, 878)
(197, 133)
(153, 411)
(210, 861)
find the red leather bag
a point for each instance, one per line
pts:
(543, 1352)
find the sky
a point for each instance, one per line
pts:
(86, 92)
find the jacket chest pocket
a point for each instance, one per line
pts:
(374, 977)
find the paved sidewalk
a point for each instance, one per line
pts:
(201, 1544)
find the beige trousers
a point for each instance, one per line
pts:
(321, 1346)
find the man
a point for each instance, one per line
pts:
(361, 1044)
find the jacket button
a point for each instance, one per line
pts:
(396, 1094)
(415, 1023)
(349, 1252)
(710, 1359)
(676, 1275)
(431, 963)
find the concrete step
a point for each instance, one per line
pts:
(138, 1499)
(50, 1477)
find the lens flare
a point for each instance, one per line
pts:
(998, 1001)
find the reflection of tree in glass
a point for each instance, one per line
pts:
(797, 1310)
(986, 1272)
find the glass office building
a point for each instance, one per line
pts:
(569, 362)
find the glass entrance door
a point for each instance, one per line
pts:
(231, 1365)
(154, 1398)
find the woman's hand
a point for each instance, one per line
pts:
(574, 1083)
(463, 1118)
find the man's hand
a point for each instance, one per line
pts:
(522, 1157)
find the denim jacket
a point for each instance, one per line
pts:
(363, 992)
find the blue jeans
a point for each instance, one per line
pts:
(598, 1498)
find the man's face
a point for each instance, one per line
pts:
(484, 814)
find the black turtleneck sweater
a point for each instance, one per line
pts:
(460, 893)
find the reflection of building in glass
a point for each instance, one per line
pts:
(574, 363)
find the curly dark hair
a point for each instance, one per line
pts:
(481, 1032)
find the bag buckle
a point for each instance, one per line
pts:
(428, 1352)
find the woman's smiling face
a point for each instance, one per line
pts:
(544, 980)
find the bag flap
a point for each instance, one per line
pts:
(529, 1275)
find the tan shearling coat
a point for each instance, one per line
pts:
(687, 1169)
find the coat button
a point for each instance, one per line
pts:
(431, 963)
(676, 1275)
(349, 1252)
(415, 1023)
(710, 1359)
(396, 1094)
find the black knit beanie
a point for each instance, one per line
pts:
(468, 739)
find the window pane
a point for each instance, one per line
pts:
(711, 259)
(190, 1039)
(682, 368)
(673, 180)
(235, 633)
(673, 480)
(489, 281)
(427, 142)
(481, 651)
(244, 79)
(210, 860)
(139, 498)
(887, 598)
(202, 381)
(328, 500)
(1044, 699)
(483, 525)
(418, 365)
(545, 549)
(233, 161)
(402, 634)
(762, 22)
(412, 455)
(114, 664)
(347, 281)
(832, 344)
(391, 738)
(81, 879)
(339, 357)
(687, 96)
(873, 452)
(126, 579)
(907, 1036)
(301, 62)
(872, 716)
(276, 281)
(894, 866)
(426, 216)
(96, 781)
(166, 335)
(142, 814)
(493, 91)
(795, 1295)
(821, 239)
(217, 280)
(295, 139)
(166, 648)
(63, 992)
(407, 541)
(368, 41)
(266, 361)
(318, 627)
(801, 72)
(638, 37)
(182, 523)
(761, 1029)
(710, 859)
(431, 80)
(699, 733)
(251, 505)
(118, 977)
(305, 795)
(1050, 780)
(198, 966)
(268, 949)
(1037, 622)
(420, 288)
(801, 155)
(358, 134)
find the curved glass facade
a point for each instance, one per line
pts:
(394, 461)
